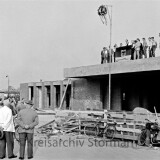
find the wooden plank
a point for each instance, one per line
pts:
(128, 137)
(128, 130)
(46, 124)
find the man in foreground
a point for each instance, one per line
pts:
(27, 120)
(7, 125)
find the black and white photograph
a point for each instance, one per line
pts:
(80, 79)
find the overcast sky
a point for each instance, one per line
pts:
(39, 38)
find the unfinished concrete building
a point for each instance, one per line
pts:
(46, 95)
(134, 83)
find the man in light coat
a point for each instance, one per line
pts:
(6, 123)
(137, 49)
(145, 46)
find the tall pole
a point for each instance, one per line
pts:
(102, 12)
(110, 56)
(159, 40)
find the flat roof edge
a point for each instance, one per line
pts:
(140, 65)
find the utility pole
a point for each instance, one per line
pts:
(8, 85)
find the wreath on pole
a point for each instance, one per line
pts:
(102, 12)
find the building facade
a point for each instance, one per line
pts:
(46, 95)
(134, 83)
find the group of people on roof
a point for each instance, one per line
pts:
(139, 50)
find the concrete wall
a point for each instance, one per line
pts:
(86, 94)
(93, 94)
(24, 91)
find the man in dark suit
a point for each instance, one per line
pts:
(27, 119)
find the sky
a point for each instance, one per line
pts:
(39, 38)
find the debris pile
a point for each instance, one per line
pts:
(128, 124)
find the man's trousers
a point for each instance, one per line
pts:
(7, 139)
(23, 137)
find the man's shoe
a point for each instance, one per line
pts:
(21, 157)
(30, 157)
(2, 157)
(14, 156)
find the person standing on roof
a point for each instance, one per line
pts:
(154, 46)
(145, 46)
(150, 47)
(137, 49)
(132, 49)
(103, 55)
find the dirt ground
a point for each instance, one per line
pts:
(82, 148)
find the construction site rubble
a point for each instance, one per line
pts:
(120, 125)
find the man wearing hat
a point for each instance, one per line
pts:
(7, 130)
(20, 105)
(27, 119)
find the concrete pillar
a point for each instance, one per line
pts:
(47, 97)
(40, 97)
(29, 93)
(35, 98)
(52, 95)
(44, 96)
